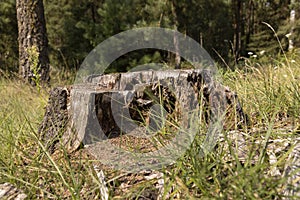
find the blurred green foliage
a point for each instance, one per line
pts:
(75, 27)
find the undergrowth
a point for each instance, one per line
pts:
(269, 93)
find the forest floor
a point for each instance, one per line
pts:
(269, 93)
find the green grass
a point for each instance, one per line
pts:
(23, 159)
(270, 95)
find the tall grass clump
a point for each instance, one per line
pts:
(21, 109)
(268, 89)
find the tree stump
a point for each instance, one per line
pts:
(74, 113)
(86, 113)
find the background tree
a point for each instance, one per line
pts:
(8, 37)
(117, 16)
(208, 22)
(262, 40)
(226, 29)
(68, 44)
(290, 26)
(238, 26)
(33, 42)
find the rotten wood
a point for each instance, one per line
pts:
(90, 102)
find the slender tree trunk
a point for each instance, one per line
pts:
(175, 39)
(292, 22)
(33, 42)
(237, 42)
(250, 20)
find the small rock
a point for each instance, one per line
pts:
(8, 191)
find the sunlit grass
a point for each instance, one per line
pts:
(269, 93)
(24, 161)
(265, 89)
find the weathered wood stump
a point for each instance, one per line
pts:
(89, 112)
(74, 113)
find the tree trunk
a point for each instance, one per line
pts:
(33, 42)
(292, 22)
(175, 39)
(237, 42)
(250, 20)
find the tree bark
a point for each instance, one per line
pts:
(237, 42)
(91, 110)
(250, 20)
(292, 22)
(33, 42)
(175, 39)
